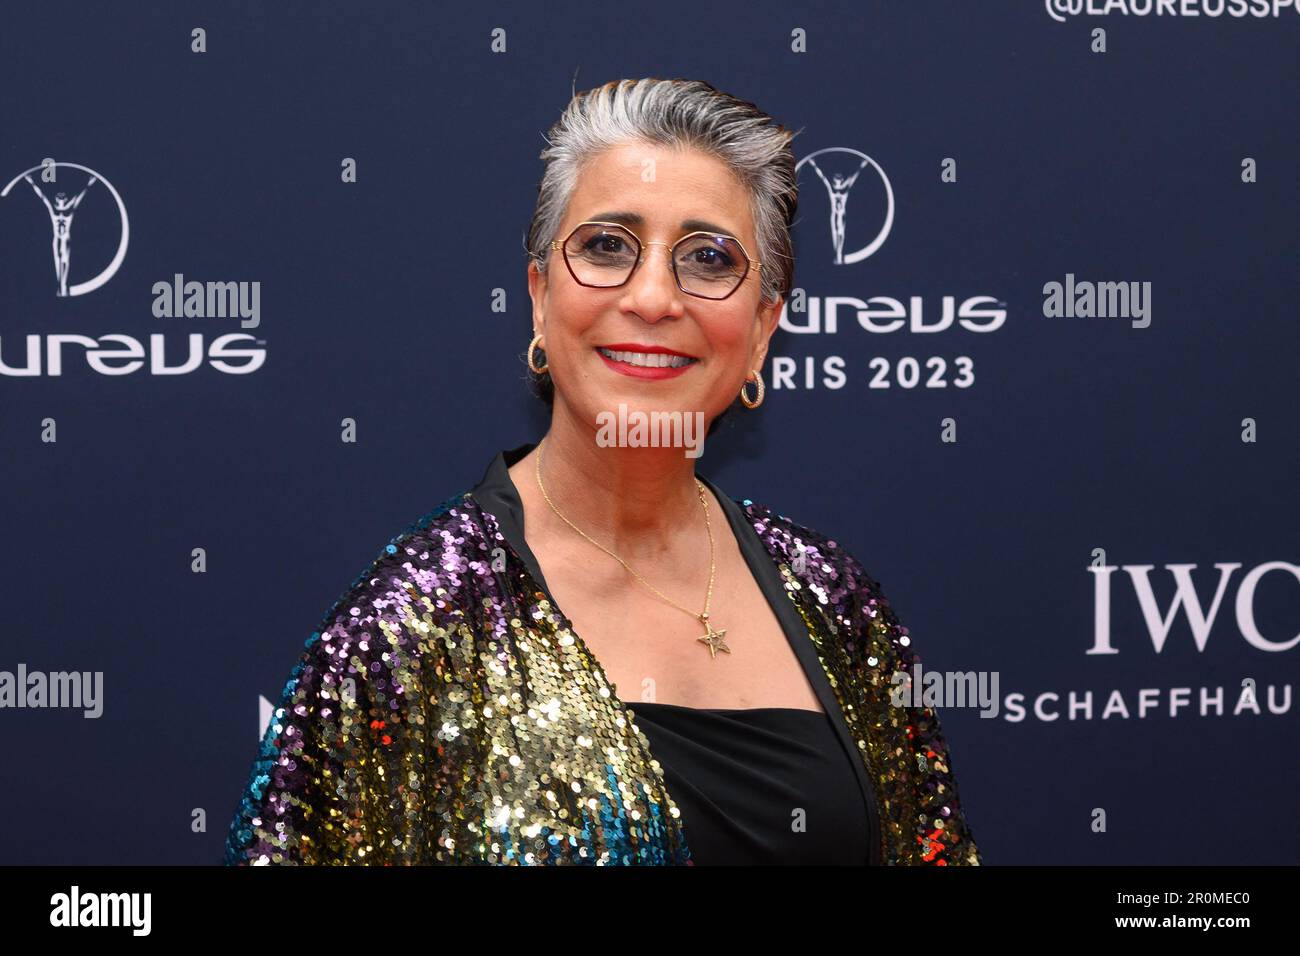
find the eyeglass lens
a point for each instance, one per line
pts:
(707, 265)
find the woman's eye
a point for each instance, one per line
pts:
(712, 257)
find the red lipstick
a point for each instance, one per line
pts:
(643, 371)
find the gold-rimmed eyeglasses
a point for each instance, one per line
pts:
(603, 255)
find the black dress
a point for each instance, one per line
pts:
(763, 785)
(756, 785)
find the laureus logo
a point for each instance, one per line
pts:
(839, 168)
(61, 190)
(54, 190)
(845, 172)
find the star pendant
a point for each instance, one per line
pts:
(714, 639)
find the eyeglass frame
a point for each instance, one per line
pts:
(559, 244)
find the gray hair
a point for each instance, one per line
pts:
(676, 113)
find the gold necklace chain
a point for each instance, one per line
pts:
(713, 639)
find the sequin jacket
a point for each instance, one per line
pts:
(446, 712)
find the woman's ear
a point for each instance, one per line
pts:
(537, 283)
(768, 317)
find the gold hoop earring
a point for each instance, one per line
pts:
(532, 346)
(758, 398)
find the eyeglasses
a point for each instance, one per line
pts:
(603, 255)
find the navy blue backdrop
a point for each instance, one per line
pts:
(1109, 475)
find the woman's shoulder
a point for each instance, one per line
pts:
(817, 557)
(422, 578)
(347, 718)
(416, 585)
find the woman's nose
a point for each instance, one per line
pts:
(654, 284)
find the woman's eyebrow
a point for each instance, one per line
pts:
(636, 219)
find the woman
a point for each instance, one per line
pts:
(715, 689)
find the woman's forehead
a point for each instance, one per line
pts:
(652, 188)
(657, 167)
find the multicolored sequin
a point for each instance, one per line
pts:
(447, 713)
